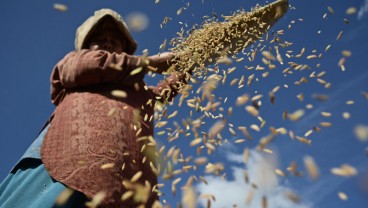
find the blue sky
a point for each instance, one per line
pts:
(35, 36)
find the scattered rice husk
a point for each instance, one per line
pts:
(344, 170)
(119, 93)
(96, 200)
(226, 35)
(60, 7)
(311, 167)
(342, 196)
(64, 196)
(361, 132)
(351, 10)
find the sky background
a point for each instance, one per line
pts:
(35, 37)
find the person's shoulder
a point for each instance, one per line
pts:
(78, 53)
(89, 51)
(82, 51)
(70, 53)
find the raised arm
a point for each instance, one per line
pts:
(160, 63)
(169, 87)
(86, 67)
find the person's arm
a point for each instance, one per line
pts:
(169, 87)
(160, 63)
(86, 67)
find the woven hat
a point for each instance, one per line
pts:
(84, 31)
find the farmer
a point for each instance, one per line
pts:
(100, 134)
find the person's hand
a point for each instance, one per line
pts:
(161, 62)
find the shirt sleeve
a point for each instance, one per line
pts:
(169, 87)
(86, 67)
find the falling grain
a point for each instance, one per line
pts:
(127, 195)
(292, 197)
(342, 196)
(189, 197)
(344, 170)
(180, 10)
(241, 100)
(195, 142)
(64, 196)
(224, 60)
(325, 124)
(296, 115)
(268, 55)
(161, 124)
(308, 133)
(339, 35)
(136, 177)
(361, 132)
(311, 167)
(107, 166)
(60, 7)
(216, 128)
(96, 200)
(320, 97)
(280, 172)
(136, 71)
(351, 10)
(119, 93)
(111, 112)
(326, 114)
(200, 160)
(350, 102)
(255, 127)
(264, 202)
(252, 110)
(312, 57)
(238, 141)
(346, 53)
(346, 115)
(304, 140)
(249, 197)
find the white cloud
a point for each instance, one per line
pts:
(363, 10)
(260, 171)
